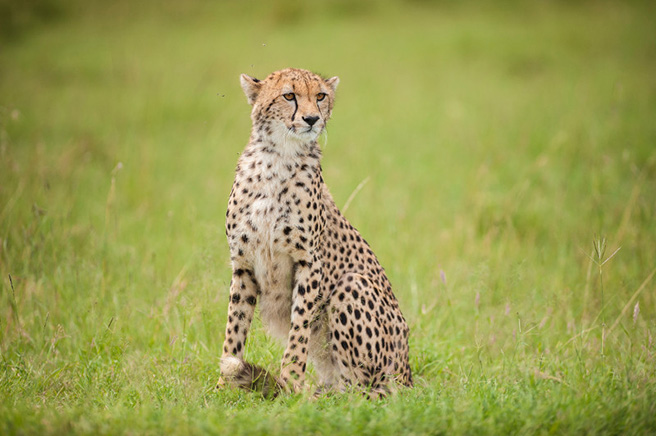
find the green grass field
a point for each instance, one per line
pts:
(499, 145)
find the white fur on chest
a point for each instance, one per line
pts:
(273, 175)
(269, 176)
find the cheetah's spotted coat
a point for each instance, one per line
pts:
(320, 287)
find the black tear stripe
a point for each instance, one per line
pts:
(295, 108)
(320, 112)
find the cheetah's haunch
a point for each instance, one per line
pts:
(320, 288)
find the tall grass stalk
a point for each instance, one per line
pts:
(599, 250)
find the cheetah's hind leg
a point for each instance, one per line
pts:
(238, 373)
(366, 345)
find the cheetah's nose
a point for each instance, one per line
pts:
(311, 120)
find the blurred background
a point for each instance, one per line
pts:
(493, 143)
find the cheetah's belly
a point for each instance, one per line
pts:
(274, 274)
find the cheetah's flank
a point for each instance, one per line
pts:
(321, 289)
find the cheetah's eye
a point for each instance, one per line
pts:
(321, 96)
(289, 96)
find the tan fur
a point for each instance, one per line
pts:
(320, 288)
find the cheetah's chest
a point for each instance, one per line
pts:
(269, 206)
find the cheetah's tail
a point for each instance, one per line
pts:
(236, 372)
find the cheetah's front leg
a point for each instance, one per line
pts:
(241, 308)
(306, 298)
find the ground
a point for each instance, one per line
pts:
(492, 145)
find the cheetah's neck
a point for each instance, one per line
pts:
(283, 144)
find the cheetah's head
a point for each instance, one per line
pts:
(290, 104)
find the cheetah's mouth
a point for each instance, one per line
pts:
(310, 130)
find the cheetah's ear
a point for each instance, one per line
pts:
(251, 87)
(333, 82)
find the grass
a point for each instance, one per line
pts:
(501, 146)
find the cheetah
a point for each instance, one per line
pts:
(320, 288)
